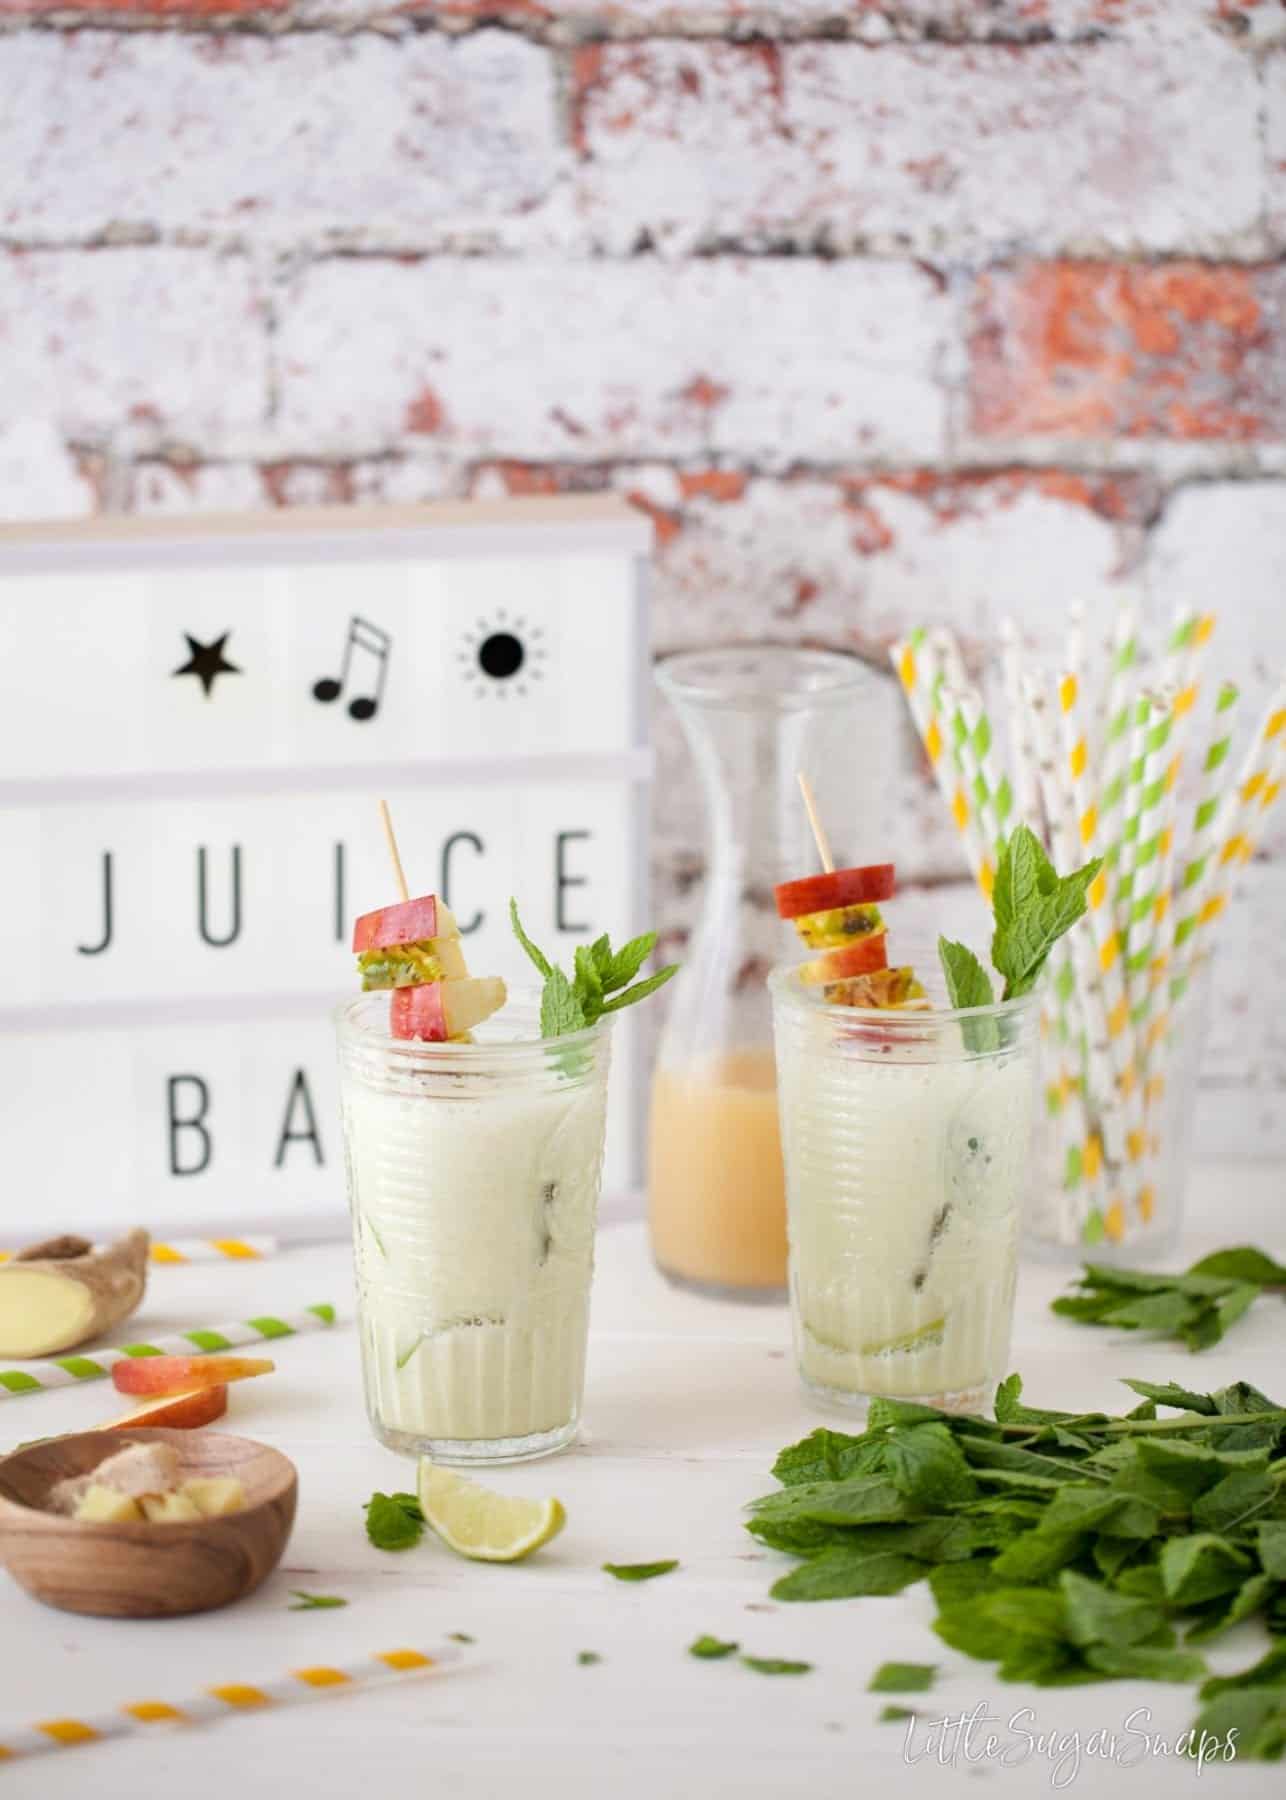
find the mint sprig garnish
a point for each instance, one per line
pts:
(1033, 906)
(601, 982)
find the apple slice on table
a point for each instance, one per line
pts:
(444, 1009)
(409, 922)
(859, 958)
(184, 1374)
(184, 1412)
(839, 887)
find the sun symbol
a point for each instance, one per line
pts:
(501, 655)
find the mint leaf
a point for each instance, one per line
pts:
(776, 1665)
(968, 983)
(1201, 1567)
(641, 989)
(560, 1010)
(841, 1572)
(390, 1522)
(313, 1602)
(1242, 1264)
(712, 1648)
(625, 964)
(587, 1658)
(641, 1571)
(537, 956)
(902, 1678)
(1036, 907)
(889, 1714)
(826, 1455)
(1272, 1547)
(1197, 1307)
(588, 986)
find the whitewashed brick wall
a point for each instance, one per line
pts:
(885, 311)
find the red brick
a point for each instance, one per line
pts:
(1093, 350)
(153, 9)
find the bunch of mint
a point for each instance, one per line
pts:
(601, 983)
(1033, 906)
(1196, 1307)
(1067, 1547)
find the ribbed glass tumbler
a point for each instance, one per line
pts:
(473, 1180)
(907, 1140)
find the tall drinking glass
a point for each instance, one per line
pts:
(473, 1179)
(907, 1139)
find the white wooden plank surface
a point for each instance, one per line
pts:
(687, 1403)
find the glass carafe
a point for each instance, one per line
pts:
(753, 718)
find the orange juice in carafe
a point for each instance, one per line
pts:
(716, 1193)
(753, 718)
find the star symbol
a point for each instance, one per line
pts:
(206, 661)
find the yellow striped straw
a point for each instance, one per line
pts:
(1241, 816)
(140, 1718)
(201, 1250)
(917, 666)
(1107, 972)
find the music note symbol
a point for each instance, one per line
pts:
(370, 641)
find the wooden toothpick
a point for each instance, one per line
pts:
(390, 837)
(819, 834)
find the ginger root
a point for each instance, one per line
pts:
(56, 1295)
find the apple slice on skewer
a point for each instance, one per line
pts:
(858, 958)
(444, 1009)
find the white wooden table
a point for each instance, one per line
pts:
(687, 1403)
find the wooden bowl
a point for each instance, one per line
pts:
(143, 1570)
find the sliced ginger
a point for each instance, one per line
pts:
(63, 1292)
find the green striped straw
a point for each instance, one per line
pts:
(992, 794)
(70, 1371)
(1205, 818)
(1102, 1100)
(1118, 715)
(1022, 753)
(1152, 837)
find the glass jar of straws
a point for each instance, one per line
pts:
(1109, 762)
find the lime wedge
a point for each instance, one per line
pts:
(484, 1526)
(919, 1339)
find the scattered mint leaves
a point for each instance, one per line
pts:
(303, 1602)
(460, 1637)
(888, 1714)
(902, 1678)
(600, 982)
(394, 1521)
(710, 1649)
(1063, 1547)
(776, 1665)
(641, 1571)
(587, 1658)
(1197, 1307)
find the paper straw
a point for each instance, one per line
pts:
(1119, 708)
(1022, 752)
(70, 1371)
(1108, 974)
(201, 1250)
(1253, 791)
(1106, 1103)
(914, 662)
(1152, 846)
(143, 1718)
(1190, 634)
(1201, 844)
